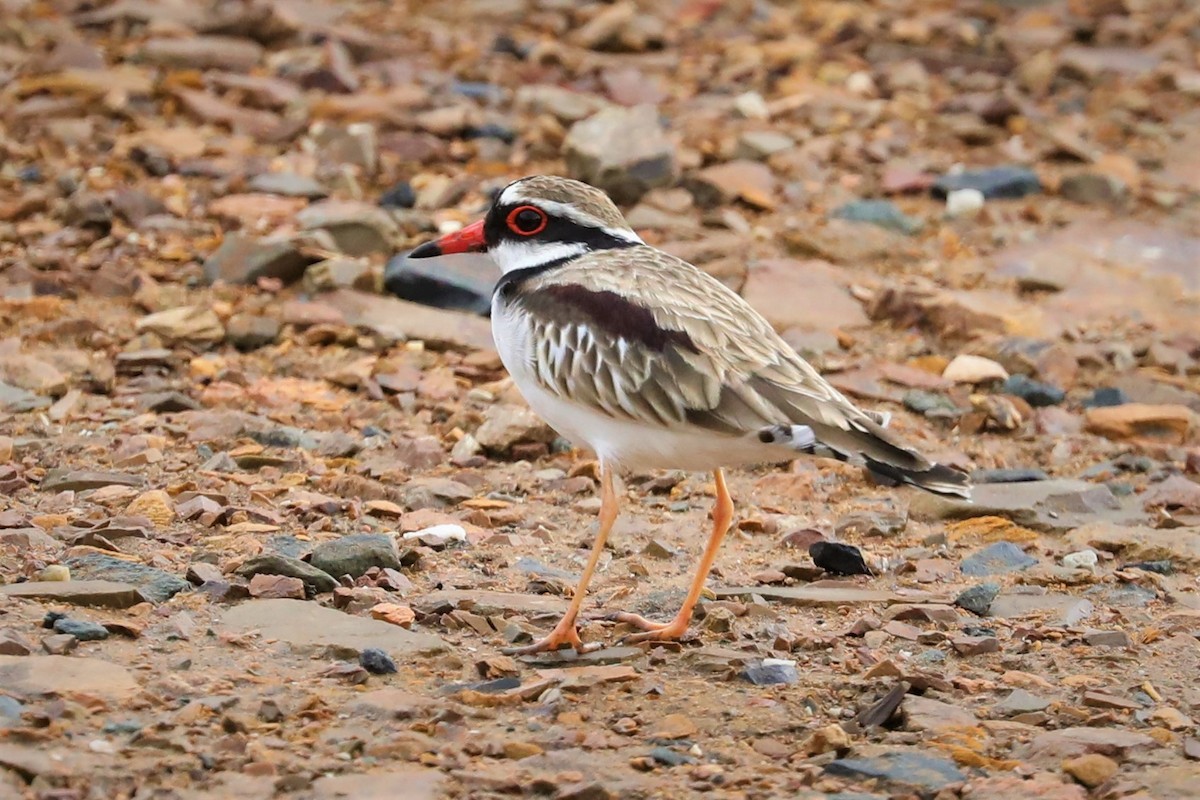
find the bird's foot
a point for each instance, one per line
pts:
(563, 635)
(651, 631)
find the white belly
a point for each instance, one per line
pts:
(622, 442)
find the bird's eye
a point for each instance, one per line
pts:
(527, 220)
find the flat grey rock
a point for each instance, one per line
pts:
(814, 595)
(35, 675)
(107, 594)
(1055, 506)
(308, 627)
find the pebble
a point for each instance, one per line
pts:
(1106, 396)
(376, 662)
(978, 599)
(356, 553)
(55, 572)
(966, 368)
(838, 558)
(623, 151)
(1090, 769)
(1036, 393)
(997, 559)
(83, 630)
(1014, 475)
(772, 671)
(1006, 182)
(964, 203)
(883, 213)
(1082, 559)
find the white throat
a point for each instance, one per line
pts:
(513, 255)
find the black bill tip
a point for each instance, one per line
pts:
(427, 250)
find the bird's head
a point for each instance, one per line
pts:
(539, 221)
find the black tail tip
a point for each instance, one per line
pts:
(938, 479)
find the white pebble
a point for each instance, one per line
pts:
(861, 84)
(1083, 559)
(778, 662)
(751, 105)
(964, 203)
(446, 533)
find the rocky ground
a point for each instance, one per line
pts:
(265, 527)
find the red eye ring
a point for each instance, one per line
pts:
(522, 227)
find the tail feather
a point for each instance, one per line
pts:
(938, 479)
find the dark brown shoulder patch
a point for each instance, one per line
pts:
(606, 311)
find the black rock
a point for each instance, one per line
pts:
(978, 599)
(402, 195)
(169, 402)
(996, 183)
(1033, 392)
(376, 661)
(31, 173)
(838, 558)
(1018, 475)
(771, 674)
(495, 686)
(51, 618)
(156, 585)
(461, 283)
(1106, 396)
(82, 630)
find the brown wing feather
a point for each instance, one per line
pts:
(657, 340)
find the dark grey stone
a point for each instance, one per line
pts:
(1017, 475)
(353, 555)
(996, 183)
(978, 599)
(882, 213)
(83, 630)
(156, 585)
(274, 564)
(1036, 393)
(376, 662)
(906, 768)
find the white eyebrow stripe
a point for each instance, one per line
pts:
(513, 196)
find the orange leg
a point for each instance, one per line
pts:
(564, 632)
(661, 632)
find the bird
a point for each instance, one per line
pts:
(651, 363)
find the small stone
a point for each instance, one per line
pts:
(1090, 769)
(13, 644)
(1019, 701)
(280, 565)
(838, 558)
(883, 213)
(155, 505)
(966, 368)
(106, 594)
(243, 259)
(831, 738)
(623, 151)
(1107, 639)
(1081, 559)
(964, 203)
(55, 572)
(287, 184)
(59, 644)
(67, 480)
(1105, 397)
(83, 630)
(1093, 188)
(910, 769)
(772, 671)
(376, 662)
(1016, 475)
(1142, 422)
(251, 331)
(673, 726)
(870, 523)
(749, 181)
(276, 586)
(967, 646)
(1036, 393)
(198, 324)
(1007, 182)
(354, 554)
(505, 426)
(400, 195)
(438, 536)
(997, 559)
